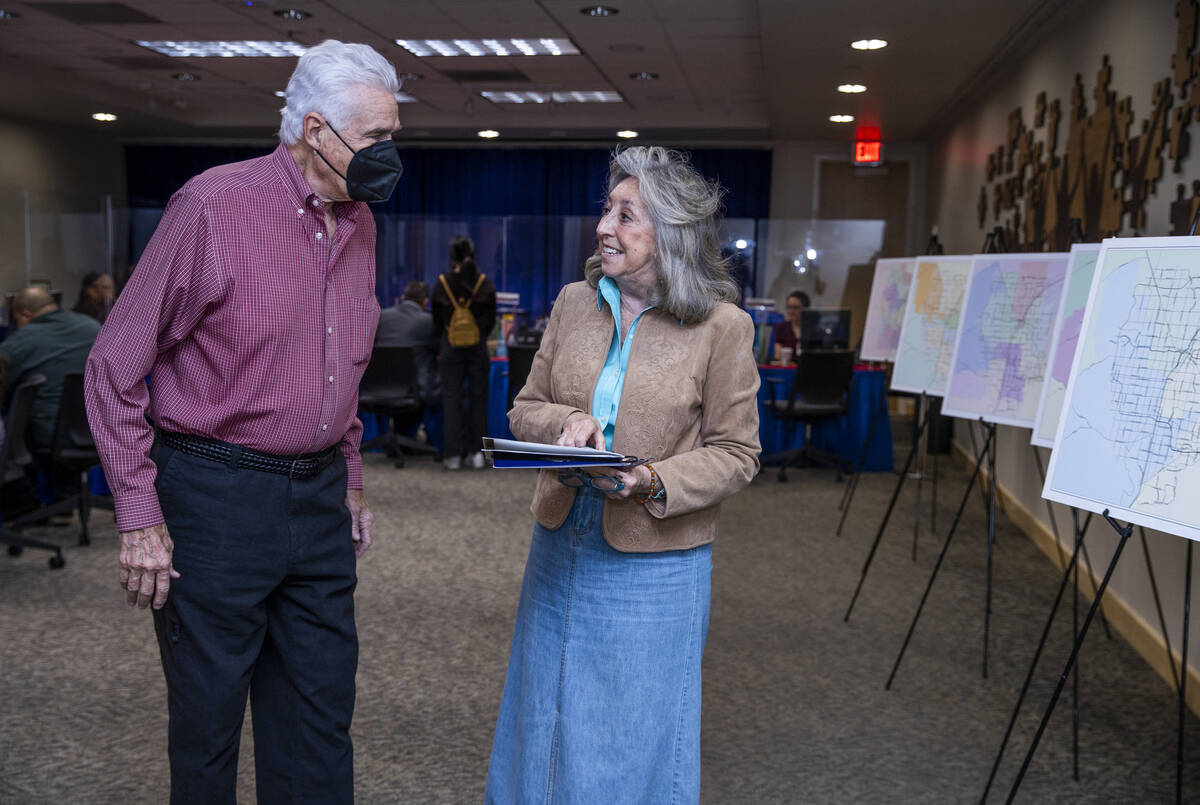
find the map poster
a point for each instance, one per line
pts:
(1129, 435)
(931, 316)
(1000, 354)
(1066, 336)
(885, 313)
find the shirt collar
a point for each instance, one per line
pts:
(302, 192)
(607, 291)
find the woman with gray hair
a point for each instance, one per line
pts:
(648, 357)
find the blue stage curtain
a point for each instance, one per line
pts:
(471, 190)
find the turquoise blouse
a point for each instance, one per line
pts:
(606, 399)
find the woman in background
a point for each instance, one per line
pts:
(459, 365)
(96, 294)
(650, 356)
(787, 332)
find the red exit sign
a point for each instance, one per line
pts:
(868, 152)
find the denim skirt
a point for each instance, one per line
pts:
(602, 698)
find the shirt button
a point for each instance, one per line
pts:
(324, 427)
(300, 211)
(316, 202)
(319, 236)
(329, 330)
(331, 378)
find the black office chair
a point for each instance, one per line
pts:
(389, 387)
(820, 392)
(72, 452)
(13, 461)
(520, 361)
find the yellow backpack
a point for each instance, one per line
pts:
(463, 330)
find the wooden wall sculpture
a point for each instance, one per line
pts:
(1102, 175)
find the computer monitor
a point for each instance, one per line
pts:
(825, 329)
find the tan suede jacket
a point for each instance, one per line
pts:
(689, 404)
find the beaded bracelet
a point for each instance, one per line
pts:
(654, 481)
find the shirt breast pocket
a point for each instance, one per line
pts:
(364, 317)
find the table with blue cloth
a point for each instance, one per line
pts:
(843, 437)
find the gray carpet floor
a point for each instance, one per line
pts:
(794, 705)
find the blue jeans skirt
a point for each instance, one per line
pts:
(602, 698)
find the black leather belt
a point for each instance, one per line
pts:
(303, 466)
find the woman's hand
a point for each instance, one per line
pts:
(581, 430)
(637, 482)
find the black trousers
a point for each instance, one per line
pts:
(459, 365)
(264, 606)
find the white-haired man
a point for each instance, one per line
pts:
(241, 509)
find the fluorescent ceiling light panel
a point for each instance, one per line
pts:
(869, 44)
(558, 97)
(200, 50)
(532, 46)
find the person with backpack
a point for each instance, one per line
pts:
(464, 312)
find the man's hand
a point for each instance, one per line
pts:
(145, 566)
(360, 521)
(581, 430)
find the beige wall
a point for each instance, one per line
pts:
(1139, 38)
(54, 217)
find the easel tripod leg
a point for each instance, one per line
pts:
(1187, 613)
(886, 516)
(1037, 654)
(1062, 680)
(937, 566)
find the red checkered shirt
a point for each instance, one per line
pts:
(254, 325)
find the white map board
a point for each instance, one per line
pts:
(1129, 436)
(885, 313)
(1000, 352)
(931, 316)
(1062, 344)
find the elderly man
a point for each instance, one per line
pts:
(49, 342)
(241, 510)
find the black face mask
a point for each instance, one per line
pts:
(373, 171)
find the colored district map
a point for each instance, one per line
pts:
(930, 323)
(885, 314)
(1131, 436)
(1000, 359)
(1066, 337)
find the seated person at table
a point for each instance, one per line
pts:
(408, 325)
(96, 294)
(787, 332)
(51, 342)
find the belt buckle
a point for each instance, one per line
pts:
(292, 474)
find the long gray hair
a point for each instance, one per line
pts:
(685, 210)
(321, 80)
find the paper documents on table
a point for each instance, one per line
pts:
(511, 454)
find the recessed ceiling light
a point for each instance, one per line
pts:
(579, 96)
(6, 16)
(644, 76)
(841, 118)
(626, 47)
(227, 49)
(599, 11)
(869, 44)
(489, 134)
(280, 93)
(851, 89)
(186, 77)
(529, 46)
(104, 117)
(411, 77)
(627, 134)
(291, 14)
(811, 254)
(741, 243)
